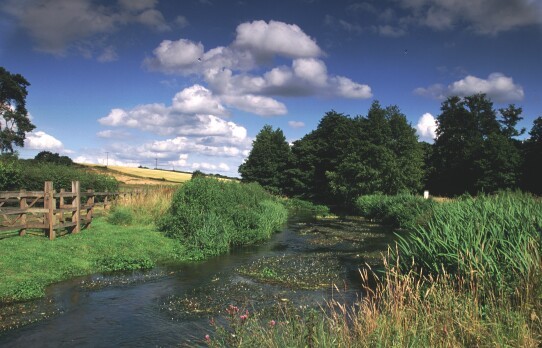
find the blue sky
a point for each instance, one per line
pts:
(192, 82)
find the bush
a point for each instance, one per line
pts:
(403, 210)
(211, 216)
(10, 174)
(496, 239)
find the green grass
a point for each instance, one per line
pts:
(28, 264)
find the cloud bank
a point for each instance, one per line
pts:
(497, 86)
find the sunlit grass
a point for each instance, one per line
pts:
(28, 264)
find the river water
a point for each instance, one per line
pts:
(171, 305)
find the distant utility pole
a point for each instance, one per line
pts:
(107, 159)
(156, 163)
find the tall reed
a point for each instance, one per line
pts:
(497, 238)
(401, 310)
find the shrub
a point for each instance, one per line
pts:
(211, 216)
(403, 210)
(496, 239)
(10, 174)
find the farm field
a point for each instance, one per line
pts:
(143, 176)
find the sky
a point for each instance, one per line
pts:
(187, 85)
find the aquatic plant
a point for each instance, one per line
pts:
(398, 309)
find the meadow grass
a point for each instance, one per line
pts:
(144, 208)
(29, 263)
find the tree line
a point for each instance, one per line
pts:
(476, 150)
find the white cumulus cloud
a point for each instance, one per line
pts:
(427, 127)
(42, 141)
(265, 40)
(296, 124)
(497, 86)
(227, 70)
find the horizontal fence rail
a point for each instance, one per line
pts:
(50, 210)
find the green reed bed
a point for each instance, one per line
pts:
(496, 239)
(210, 216)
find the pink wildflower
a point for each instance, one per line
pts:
(272, 323)
(207, 338)
(243, 317)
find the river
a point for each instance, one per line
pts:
(171, 305)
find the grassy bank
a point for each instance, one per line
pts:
(204, 217)
(28, 264)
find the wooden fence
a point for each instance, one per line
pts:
(50, 210)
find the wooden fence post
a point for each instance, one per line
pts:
(61, 206)
(90, 207)
(49, 204)
(23, 205)
(76, 204)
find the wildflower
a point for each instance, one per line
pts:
(232, 309)
(272, 323)
(207, 338)
(243, 317)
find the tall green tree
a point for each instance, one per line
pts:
(49, 157)
(320, 152)
(268, 160)
(383, 156)
(14, 120)
(532, 165)
(474, 151)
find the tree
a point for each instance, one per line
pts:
(532, 165)
(49, 157)
(383, 156)
(268, 160)
(14, 121)
(474, 152)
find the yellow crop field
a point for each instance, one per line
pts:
(153, 174)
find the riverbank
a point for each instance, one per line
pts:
(30, 263)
